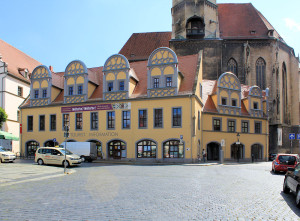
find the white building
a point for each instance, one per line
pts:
(15, 70)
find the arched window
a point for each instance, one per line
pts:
(117, 149)
(261, 73)
(232, 66)
(31, 147)
(50, 143)
(173, 149)
(146, 149)
(195, 27)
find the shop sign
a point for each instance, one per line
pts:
(97, 107)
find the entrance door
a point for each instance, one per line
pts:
(237, 151)
(213, 151)
(117, 149)
(256, 150)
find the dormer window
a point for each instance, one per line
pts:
(255, 105)
(156, 83)
(121, 86)
(44, 93)
(224, 101)
(233, 102)
(110, 86)
(169, 81)
(71, 90)
(36, 93)
(79, 89)
(195, 28)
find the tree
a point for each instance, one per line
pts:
(3, 116)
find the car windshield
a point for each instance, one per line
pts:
(287, 159)
(67, 151)
(2, 149)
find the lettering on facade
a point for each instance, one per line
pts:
(94, 134)
(97, 107)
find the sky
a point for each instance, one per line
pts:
(56, 32)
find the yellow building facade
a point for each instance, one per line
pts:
(140, 111)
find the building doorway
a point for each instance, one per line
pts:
(257, 151)
(237, 151)
(50, 143)
(213, 151)
(31, 147)
(117, 149)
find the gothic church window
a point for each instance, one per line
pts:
(261, 73)
(232, 66)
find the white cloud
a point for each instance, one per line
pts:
(292, 24)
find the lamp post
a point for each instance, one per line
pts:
(238, 146)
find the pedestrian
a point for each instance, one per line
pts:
(203, 155)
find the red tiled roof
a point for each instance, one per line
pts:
(16, 59)
(237, 21)
(210, 105)
(140, 45)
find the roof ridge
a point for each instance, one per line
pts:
(20, 51)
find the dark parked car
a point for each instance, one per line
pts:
(272, 156)
(283, 161)
(292, 183)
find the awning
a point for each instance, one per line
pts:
(8, 136)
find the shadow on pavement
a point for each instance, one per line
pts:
(290, 199)
(277, 174)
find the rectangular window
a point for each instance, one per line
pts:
(71, 90)
(158, 118)
(30, 123)
(121, 86)
(169, 81)
(176, 119)
(142, 118)
(94, 121)
(200, 90)
(231, 126)
(66, 120)
(42, 123)
(217, 124)
(36, 93)
(110, 86)
(44, 93)
(52, 122)
(257, 127)
(111, 120)
(78, 119)
(224, 101)
(126, 119)
(233, 102)
(156, 83)
(79, 89)
(20, 91)
(255, 105)
(198, 120)
(245, 127)
(18, 116)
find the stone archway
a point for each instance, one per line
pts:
(213, 151)
(237, 151)
(257, 151)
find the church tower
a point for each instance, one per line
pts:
(195, 19)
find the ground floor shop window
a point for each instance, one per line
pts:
(146, 149)
(31, 148)
(257, 151)
(173, 149)
(117, 149)
(50, 143)
(99, 147)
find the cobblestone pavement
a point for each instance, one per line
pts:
(99, 191)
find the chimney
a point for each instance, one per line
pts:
(51, 68)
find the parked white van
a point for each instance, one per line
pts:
(56, 156)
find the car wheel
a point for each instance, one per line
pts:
(82, 159)
(286, 189)
(40, 162)
(298, 198)
(66, 163)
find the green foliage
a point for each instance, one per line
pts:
(3, 116)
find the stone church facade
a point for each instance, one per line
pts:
(239, 39)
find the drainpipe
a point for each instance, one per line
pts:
(192, 127)
(5, 75)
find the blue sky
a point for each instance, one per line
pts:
(56, 32)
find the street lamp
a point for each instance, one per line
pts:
(238, 139)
